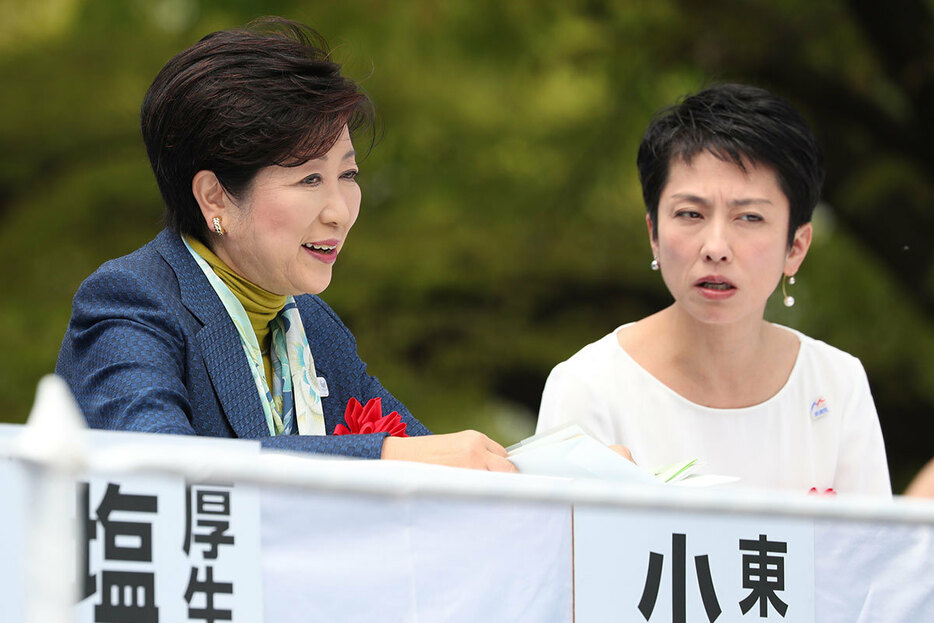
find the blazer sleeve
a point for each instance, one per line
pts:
(123, 356)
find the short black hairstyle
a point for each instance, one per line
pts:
(740, 124)
(241, 100)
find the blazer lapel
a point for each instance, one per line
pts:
(232, 379)
(218, 342)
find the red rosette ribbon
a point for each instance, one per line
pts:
(362, 420)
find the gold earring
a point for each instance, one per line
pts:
(217, 226)
(789, 301)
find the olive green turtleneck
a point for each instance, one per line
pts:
(261, 305)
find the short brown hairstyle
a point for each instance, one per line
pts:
(241, 100)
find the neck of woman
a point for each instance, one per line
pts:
(722, 348)
(716, 365)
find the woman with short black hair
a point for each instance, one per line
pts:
(730, 177)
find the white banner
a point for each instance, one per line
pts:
(349, 557)
(874, 571)
(673, 567)
(394, 541)
(160, 549)
(152, 549)
(12, 538)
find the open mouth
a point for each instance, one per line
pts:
(716, 285)
(325, 249)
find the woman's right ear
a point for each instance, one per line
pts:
(210, 195)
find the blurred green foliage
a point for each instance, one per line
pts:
(502, 226)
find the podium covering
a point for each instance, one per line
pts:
(215, 528)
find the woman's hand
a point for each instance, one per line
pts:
(622, 451)
(464, 449)
(923, 484)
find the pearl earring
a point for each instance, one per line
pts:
(217, 226)
(789, 301)
(655, 265)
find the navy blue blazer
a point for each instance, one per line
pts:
(151, 348)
